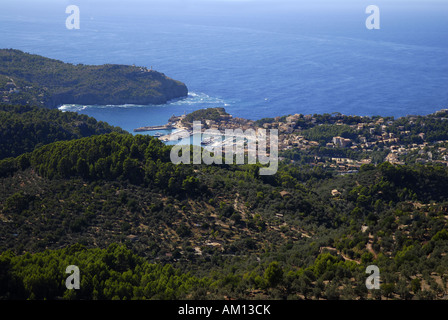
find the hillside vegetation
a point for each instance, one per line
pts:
(39, 81)
(140, 227)
(24, 128)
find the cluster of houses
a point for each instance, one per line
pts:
(9, 88)
(292, 136)
(372, 136)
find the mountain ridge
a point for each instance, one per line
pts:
(39, 81)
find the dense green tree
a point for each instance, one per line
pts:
(273, 274)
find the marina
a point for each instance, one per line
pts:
(154, 128)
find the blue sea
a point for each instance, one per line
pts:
(255, 58)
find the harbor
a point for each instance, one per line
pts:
(174, 122)
(177, 129)
(154, 128)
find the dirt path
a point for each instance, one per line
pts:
(370, 249)
(339, 253)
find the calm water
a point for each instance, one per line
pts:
(256, 59)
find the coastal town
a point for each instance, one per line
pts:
(336, 141)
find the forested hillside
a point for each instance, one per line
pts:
(24, 128)
(39, 81)
(304, 233)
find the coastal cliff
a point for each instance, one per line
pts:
(40, 81)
